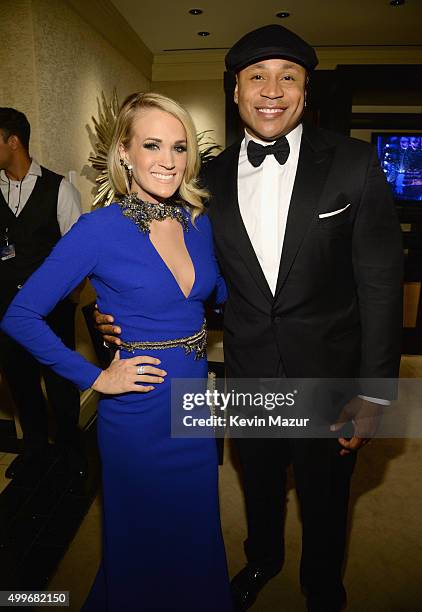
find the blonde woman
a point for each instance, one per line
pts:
(150, 258)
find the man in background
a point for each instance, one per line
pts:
(37, 207)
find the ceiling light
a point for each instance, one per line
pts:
(203, 33)
(283, 15)
(396, 2)
(196, 11)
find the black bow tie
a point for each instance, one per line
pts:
(280, 149)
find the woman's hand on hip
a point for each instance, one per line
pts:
(124, 375)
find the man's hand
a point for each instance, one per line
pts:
(104, 324)
(366, 418)
(123, 376)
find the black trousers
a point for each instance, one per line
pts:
(322, 480)
(23, 375)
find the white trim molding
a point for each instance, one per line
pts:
(209, 65)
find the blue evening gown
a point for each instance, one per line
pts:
(162, 541)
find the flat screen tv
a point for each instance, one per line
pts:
(400, 156)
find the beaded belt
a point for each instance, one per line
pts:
(197, 342)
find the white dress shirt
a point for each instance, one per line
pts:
(17, 193)
(264, 200)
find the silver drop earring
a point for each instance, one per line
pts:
(128, 173)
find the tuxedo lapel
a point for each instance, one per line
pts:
(314, 163)
(235, 227)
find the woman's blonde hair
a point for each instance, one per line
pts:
(189, 190)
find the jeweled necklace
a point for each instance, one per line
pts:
(142, 212)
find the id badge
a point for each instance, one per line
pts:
(7, 252)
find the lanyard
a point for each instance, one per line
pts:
(15, 212)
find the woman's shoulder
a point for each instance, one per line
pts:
(104, 213)
(100, 217)
(203, 223)
(92, 226)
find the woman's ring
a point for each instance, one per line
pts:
(140, 370)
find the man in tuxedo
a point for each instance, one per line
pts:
(308, 240)
(309, 243)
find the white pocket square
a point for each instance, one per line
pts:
(333, 212)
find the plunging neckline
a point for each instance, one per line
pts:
(160, 257)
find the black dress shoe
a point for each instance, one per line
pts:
(247, 584)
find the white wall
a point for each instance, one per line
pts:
(54, 67)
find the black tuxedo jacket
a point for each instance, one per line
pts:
(337, 310)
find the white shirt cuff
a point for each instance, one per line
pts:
(375, 400)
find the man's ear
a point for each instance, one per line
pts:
(13, 142)
(236, 92)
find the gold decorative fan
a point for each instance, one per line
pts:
(104, 129)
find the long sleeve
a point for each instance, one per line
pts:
(378, 266)
(219, 295)
(74, 257)
(68, 206)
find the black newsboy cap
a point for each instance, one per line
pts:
(271, 41)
